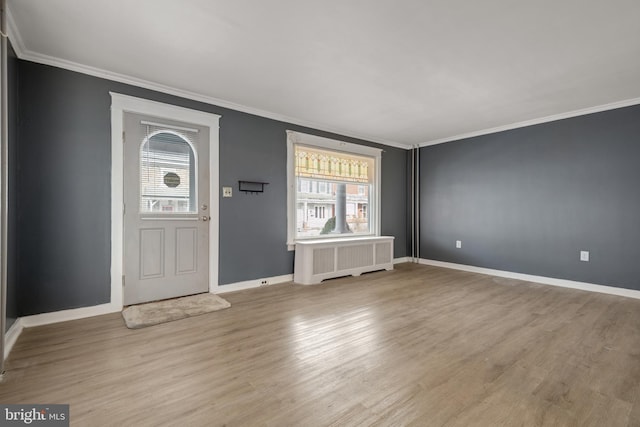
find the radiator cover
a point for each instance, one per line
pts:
(316, 260)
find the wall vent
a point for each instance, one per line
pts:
(325, 259)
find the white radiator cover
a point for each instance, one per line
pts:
(316, 260)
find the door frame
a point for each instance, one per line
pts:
(129, 104)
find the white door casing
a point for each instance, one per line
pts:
(119, 105)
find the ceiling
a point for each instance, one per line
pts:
(402, 72)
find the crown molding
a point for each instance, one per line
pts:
(23, 53)
(546, 119)
(28, 55)
(14, 34)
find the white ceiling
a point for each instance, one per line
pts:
(400, 71)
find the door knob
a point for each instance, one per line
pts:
(205, 218)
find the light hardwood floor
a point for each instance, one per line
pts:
(419, 345)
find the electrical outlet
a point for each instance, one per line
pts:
(584, 256)
(459, 244)
(227, 192)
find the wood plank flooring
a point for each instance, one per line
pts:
(419, 345)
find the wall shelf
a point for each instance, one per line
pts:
(254, 187)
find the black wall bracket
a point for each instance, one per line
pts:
(254, 187)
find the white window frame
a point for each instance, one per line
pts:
(335, 145)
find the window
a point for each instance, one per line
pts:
(303, 186)
(323, 187)
(167, 173)
(333, 188)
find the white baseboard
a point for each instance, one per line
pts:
(591, 287)
(64, 315)
(249, 284)
(97, 310)
(11, 336)
(54, 317)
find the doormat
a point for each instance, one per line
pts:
(153, 313)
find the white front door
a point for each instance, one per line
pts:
(167, 209)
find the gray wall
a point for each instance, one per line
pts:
(12, 85)
(527, 200)
(64, 190)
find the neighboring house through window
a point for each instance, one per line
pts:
(333, 189)
(167, 172)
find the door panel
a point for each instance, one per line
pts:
(166, 222)
(151, 253)
(186, 250)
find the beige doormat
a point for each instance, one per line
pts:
(153, 313)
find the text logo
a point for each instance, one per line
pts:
(34, 415)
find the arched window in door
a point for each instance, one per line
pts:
(167, 173)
